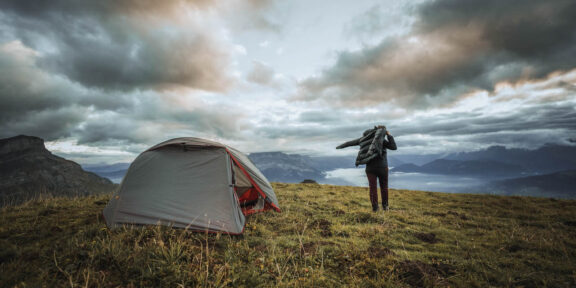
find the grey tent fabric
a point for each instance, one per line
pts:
(258, 177)
(187, 183)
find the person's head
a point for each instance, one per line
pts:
(381, 127)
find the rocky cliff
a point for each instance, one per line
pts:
(28, 170)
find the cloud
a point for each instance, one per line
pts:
(526, 114)
(126, 74)
(119, 72)
(454, 47)
(49, 124)
(523, 114)
(157, 117)
(261, 74)
(381, 21)
(244, 15)
(34, 102)
(126, 44)
(39, 103)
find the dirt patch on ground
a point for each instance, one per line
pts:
(47, 212)
(380, 252)
(435, 214)
(514, 247)
(427, 237)
(420, 274)
(101, 202)
(362, 217)
(261, 247)
(439, 214)
(56, 229)
(460, 215)
(570, 223)
(324, 226)
(308, 248)
(338, 212)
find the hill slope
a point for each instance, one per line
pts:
(28, 169)
(326, 236)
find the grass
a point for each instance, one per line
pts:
(326, 236)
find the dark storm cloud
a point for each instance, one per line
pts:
(33, 102)
(464, 124)
(156, 117)
(48, 124)
(454, 47)
(50, 106)
(524, 28)
(539, 32)
(505, 117)
(120, 44)
(313, 132)
(115, 72)
(112, 130)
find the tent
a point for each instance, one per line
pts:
(191, 183)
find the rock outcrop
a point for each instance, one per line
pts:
(28, 170)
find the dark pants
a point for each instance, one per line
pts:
(381, 176)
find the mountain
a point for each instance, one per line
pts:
(546, 159)
(328, 163)
(470, 167)
(28, 170)
(115, 172)
(408, 168)
(282, 167)
(418, 159)
(559, 184)
(106, 168)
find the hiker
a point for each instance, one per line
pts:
(372, 152)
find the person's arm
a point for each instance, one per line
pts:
(349, 143)
(390, 144)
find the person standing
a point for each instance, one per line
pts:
(373, 145)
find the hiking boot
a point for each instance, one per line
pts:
(375, 208)
(385, 207)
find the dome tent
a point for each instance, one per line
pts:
(191, 183)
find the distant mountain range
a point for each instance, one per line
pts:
(495, 162)
(470, 167)
(546, 159)
(546, 171)
(29, 170)
(559, 184)
(293, 168)
(282, 167)
(115, 172)
(276, 166)
(498, 160)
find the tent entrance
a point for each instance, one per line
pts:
(248, 195)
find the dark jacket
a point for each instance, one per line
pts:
(382, 161)
(372, 147)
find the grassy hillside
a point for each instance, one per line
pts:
(326, 236)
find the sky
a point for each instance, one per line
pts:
(101, 81)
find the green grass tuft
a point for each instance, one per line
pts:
(326, 236)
